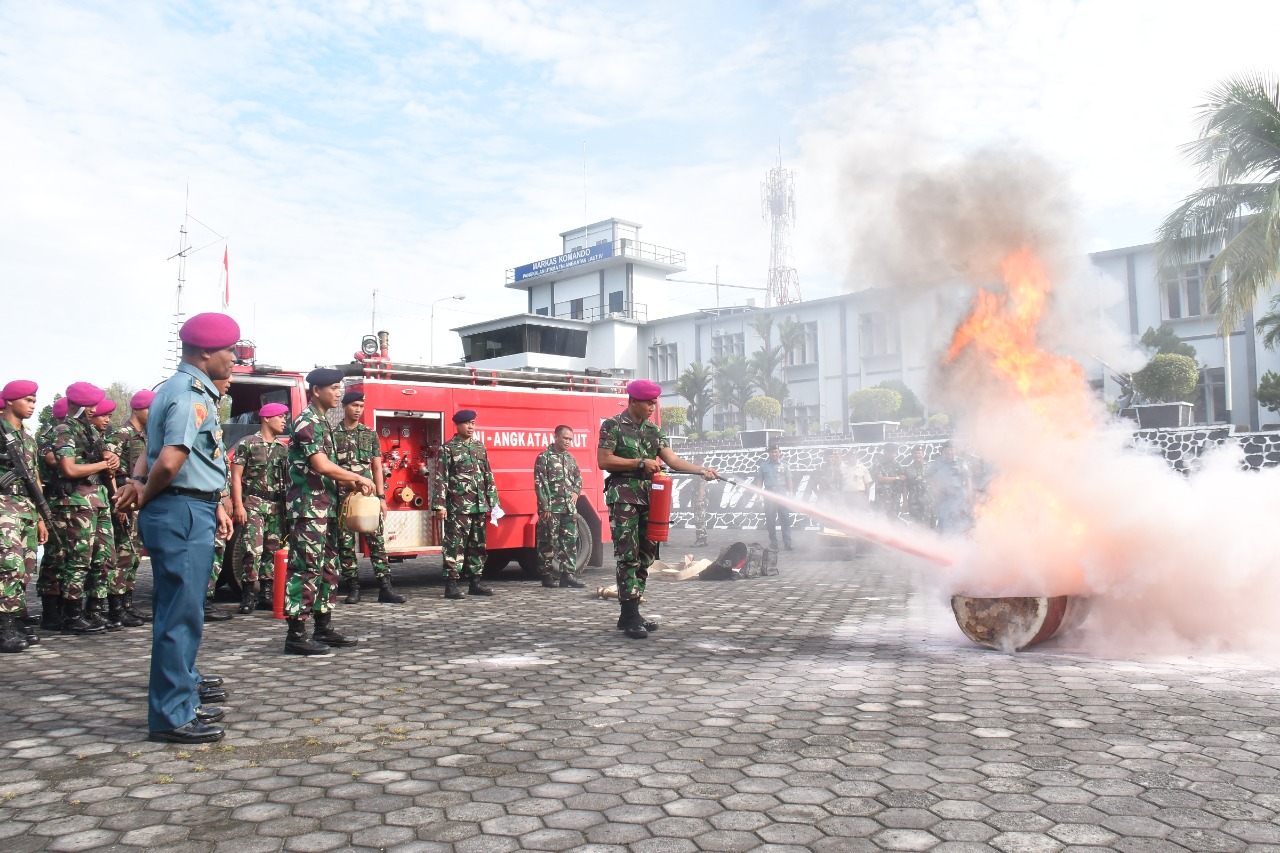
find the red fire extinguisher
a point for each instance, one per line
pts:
(659, 508)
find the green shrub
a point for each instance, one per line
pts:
(874, 404)
(940, 421)
(711, 434)
(1167, 378)
(911, 423)
(730, 432)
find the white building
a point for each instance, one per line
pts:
(1179, 299)
(588, 310)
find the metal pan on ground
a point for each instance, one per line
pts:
(1013, 623)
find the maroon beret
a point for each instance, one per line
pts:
(106, 407)
(84, 394)
(142, 399)
(210, 331)
(19, 388)
(60, 406)
(271, 410)
(644, 390)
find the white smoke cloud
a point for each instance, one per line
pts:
(1170, 561)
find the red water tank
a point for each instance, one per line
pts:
(659, 508)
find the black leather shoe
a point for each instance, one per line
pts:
(636, 632)
(571, 581)
(211, 694)
(193, 732)
(211, 681)
(213, 614)
(209, 714)
(549, 582)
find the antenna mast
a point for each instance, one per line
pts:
(184, 248)
(778, 201)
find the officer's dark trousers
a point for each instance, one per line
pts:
(178, 532)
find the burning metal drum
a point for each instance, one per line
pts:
(1012, 624)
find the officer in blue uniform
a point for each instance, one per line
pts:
(180, 510)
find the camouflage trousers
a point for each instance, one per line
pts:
(17, 551)
(49, 581)
(313, 565)
(700, 521)
(88, 551)
(215, 571)
(464, 550)
(633, 552)
(263, 535)
(128, 550)
(558, 544)
(349, 552)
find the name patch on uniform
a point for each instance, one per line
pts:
(201, 413)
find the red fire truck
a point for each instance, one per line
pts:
(410, 407)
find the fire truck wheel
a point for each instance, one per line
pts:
(586, 543)
(229, 576)
(495, 561)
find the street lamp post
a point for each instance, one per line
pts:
(458, 296)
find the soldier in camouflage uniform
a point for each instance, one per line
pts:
(919, 498)
(699, 504)
(632, 449)
(462, 494)
(129, 442)
(48, 585)
(358, 451)
(259, 479)
(21, 529)
(313, 507)
(891, 479)
(558, 483)
(110, 578)
(82, 514)
(220, 539)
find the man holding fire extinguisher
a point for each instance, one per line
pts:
(632, 449)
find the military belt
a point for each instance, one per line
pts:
(266, 496)
(208, 497)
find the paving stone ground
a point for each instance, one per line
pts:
(833, 708)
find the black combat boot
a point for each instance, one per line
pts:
(451, 588)
(214, 614)
(622, 619)
(296, 642)
(630, 620)
(133, 611)
(11, 639)
(477, 588)
(353, 591)
(549, 582)
(387, 595)
(73, 621)
(248, 602)
(266, 598)
(26, 620)
(330, 636)
(568, 580)
(51, 612)
(117, 613)
(29, 634)
(95, 610)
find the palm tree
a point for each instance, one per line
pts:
(764, 364)
(1237, 214)
(694, 384)
(791, 334)
(762, 325)
(733, 385)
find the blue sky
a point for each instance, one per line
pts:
(423, 148)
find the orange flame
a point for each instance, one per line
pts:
(1004, 328)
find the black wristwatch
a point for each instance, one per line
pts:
(639, 464)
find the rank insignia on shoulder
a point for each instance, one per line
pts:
(196, 385)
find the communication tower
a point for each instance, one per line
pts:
(778, 200)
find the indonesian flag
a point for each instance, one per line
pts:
(226, 278)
